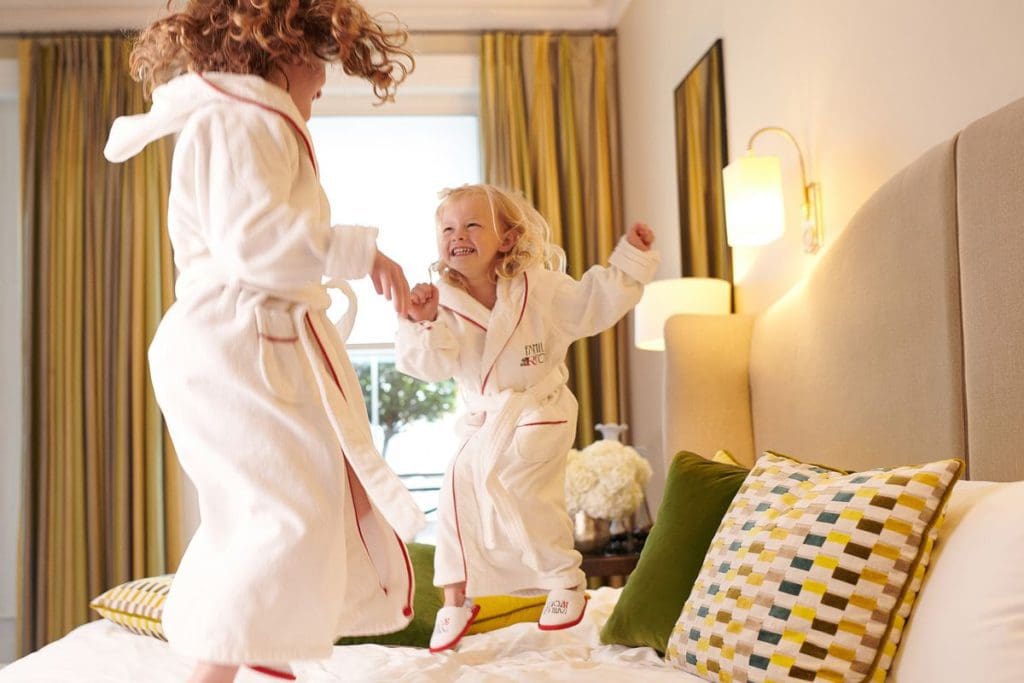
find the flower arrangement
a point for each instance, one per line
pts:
(605, 480)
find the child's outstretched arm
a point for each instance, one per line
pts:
(604, 294)
(256, 232)
(426, 347)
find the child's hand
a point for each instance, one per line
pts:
(423, 303)
(389, 281)
(640, 236)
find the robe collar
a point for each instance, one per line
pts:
(498, 324)
(174, 103)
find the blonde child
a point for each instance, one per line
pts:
(500, 322)
(298, 541)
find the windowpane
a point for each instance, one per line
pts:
(413, 422)
(386, 171)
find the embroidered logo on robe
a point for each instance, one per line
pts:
(533, 354)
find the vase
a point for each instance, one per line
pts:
(611, 431)
(590, 534)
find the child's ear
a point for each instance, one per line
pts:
(508, 241)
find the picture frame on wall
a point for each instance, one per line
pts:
(702, 151)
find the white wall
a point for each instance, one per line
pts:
(10, 355)
(865, 87)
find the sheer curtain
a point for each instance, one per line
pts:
(100, 483)
(550, 127)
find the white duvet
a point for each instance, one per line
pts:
(101, 652)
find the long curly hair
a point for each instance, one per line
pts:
(510, 212)
(255, 36)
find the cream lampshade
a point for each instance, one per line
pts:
(754, 210)
(665, 298)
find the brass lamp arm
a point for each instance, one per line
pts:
(814, 229)
(800, 155)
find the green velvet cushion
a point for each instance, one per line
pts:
(426, 601)
(697, 494)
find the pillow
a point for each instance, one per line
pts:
(725, 457)
(972, 601)
(426, 600)
(496, 611)
(136, 605)
(697, 494)
(499, 611)
(812, 573)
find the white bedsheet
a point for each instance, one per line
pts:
(101, 652)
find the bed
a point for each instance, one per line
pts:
(101, 652)
(905, 345)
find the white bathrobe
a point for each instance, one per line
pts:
(502, 522)
(261, 401)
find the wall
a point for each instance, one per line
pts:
(10, 354)
(865, 87)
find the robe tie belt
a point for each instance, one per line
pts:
(497, 416)
(306, 307)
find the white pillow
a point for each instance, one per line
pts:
(968, 621)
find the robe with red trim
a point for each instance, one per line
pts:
(260, 398)
(503, 526)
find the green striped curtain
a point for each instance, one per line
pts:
(101, 483)
(550, 126)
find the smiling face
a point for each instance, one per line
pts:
(305, 83)
(466, 239)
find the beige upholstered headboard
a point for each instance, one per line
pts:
(905, 344)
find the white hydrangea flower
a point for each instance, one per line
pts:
(605, 480)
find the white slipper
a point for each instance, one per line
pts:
(563, 609)
(451, 624)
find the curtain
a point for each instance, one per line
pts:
(550, 128)
(101, 483)
(701, 155)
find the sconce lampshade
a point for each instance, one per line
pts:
(664, 298)
(754, 210)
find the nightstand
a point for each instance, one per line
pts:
(608, 570)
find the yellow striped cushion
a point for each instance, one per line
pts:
(137, 605)
(499, 611)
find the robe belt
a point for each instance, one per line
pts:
(497, 416)
(350, 427)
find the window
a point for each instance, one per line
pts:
(386, 171)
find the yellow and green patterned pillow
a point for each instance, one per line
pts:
(812, 573)
(137, 605)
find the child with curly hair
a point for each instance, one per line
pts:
(500, 322)
(301, 522)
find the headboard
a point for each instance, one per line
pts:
(906, 342)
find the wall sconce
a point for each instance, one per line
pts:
(754, 211)
(664, 298)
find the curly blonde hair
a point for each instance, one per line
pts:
(255, 36)
(510, 212)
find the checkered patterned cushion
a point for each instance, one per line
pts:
(812, 573)
(137, 605)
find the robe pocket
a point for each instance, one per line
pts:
(541, 436)
(279, 353)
